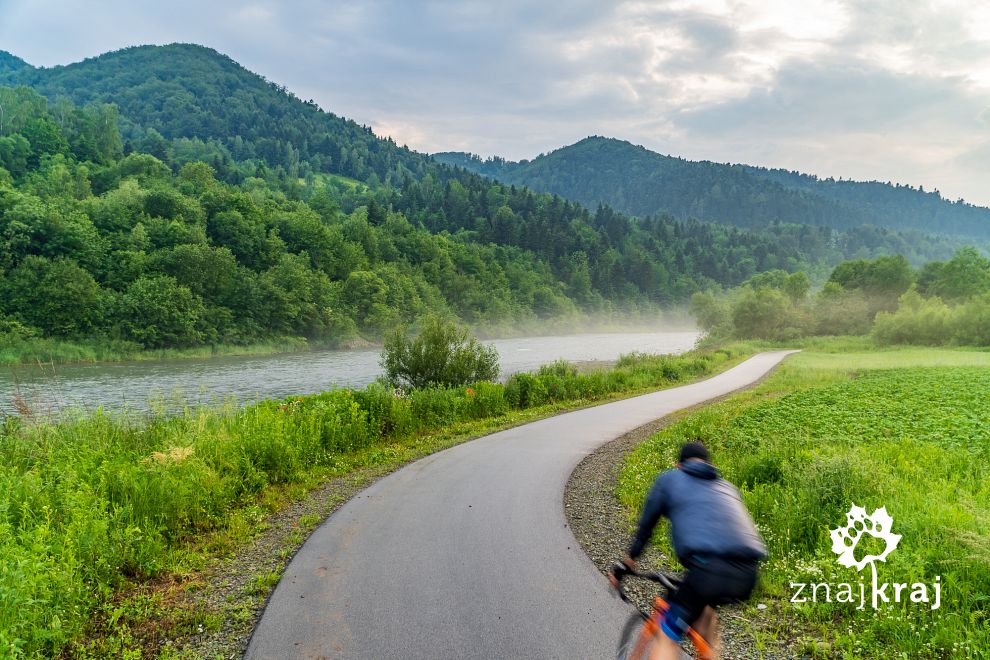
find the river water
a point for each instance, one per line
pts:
(170, 384)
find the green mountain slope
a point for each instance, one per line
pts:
(189, 91)
(374, 233)
(634, 180)
(888, 204)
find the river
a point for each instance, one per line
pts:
(170, 384)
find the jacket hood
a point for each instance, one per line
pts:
(700, 469)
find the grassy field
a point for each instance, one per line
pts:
(93, 506)
(908, 430)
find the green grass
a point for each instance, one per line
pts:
(339, 181)
(346, 182)
(848, 345)
(904, 429)
(14, 351)
(97, 505)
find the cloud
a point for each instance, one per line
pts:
(839, 96)
(876, 89)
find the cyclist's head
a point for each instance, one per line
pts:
(694, 450)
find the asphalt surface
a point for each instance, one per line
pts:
(466, 553)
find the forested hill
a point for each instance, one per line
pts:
(192, 92)
(157, 175)
(638, 181)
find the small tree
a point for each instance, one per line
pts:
(442, 354)
(712, 313)
(761, 314)
(160, 313)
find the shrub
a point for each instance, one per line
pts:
(917, 321)
(487, 400)
(526, 391)
(560, 368)
(841, 312)
(712, 313)
(517, 390)
(437, 407)
(760, 313)
(970, 322)
(443, 354)
(388, 411)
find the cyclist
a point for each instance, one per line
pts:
(715, 540)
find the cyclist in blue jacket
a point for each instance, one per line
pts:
(715, 540)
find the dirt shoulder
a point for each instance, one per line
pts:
(238, 588)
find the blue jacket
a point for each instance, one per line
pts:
(706, 513)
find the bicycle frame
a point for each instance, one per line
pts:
(652, 622)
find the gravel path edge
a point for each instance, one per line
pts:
(602, 526)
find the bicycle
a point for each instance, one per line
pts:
(633, 646)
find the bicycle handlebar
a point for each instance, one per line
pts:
(621, 571)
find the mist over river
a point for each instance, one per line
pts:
(170, 384)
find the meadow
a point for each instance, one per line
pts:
(94, 505)
(906, 429)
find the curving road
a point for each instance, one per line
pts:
(466, 553)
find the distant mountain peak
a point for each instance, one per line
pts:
(10, 63)
(638, 181)
(602, 139)
(154, 51)
(177, 46)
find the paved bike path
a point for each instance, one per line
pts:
(467, 553)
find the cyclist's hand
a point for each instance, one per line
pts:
(619, 570)
(614, 581)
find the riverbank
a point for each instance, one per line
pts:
(902, 428)
(115, 523)
(173, 385)
(18, 351)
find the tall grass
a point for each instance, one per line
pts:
(16, 350)
(90, 504)
(908, 433)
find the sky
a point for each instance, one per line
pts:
(889, 90)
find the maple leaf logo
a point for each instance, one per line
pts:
(877, 525)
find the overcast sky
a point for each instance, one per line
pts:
(867, 89)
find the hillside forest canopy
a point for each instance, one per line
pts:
(161, 197)
(102, 241)
(635, 180)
